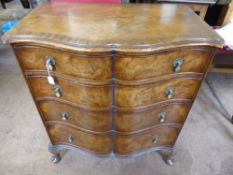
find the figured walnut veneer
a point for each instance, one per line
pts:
(126, 144)
(90, 96)
(82, 66)
(142, 67)
(175, 112)
(98, 143)
(136, 96)
(99, 121)
(118, 88)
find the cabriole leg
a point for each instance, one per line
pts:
(56, 157)
(168, 156)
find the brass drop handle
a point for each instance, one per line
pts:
(170, 92)
(50, 62)
(58, 91)
(155, 139)
(65, 115)
(162, 116)
(70, 138)
(177, 64)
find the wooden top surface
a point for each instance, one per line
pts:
(107, 27)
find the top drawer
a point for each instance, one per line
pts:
(81, 66)
(164, 63)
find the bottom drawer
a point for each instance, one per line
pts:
(97, 143)
(159, 136)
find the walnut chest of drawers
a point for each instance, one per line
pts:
(113, 79)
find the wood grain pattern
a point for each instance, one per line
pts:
(139, 120)
(113, 65)
(136, 67)
(86, 96)
(128, 27)
(82, 66)
(137, 96)
(91, 120)
(98, 143)
(127, 144)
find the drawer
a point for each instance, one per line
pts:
(138, 120)
(164, 63)
(83, 95)
(156, 137)
(99, 121)
(81, 66)
(97, 143)
(138, 96)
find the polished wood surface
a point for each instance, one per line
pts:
(98, 121)
(87, 96)
(125, 96)
(83, 66)
(128, 27)
(142, 67)
(132, 121)
(126, 144)
(145, 95)
(98, 143)
(116, 86)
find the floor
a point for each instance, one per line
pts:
(205, 146)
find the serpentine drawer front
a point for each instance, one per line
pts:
(144, 95)
(156, 137)
(116, 81)
(164, 63)
(84, 95)
(83, 66)
(97, 143)
(170, 113)
(93, 120)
